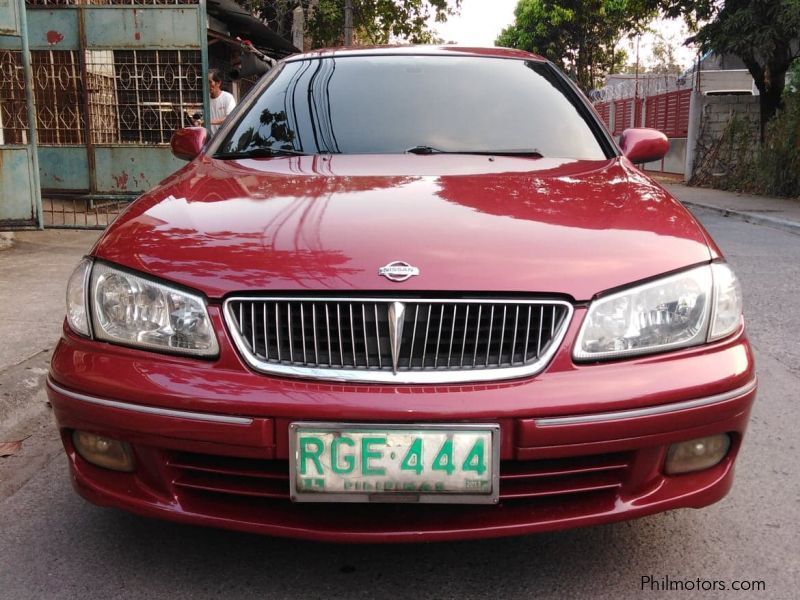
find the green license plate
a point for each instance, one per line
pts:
(341, 462)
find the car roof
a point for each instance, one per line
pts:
(417, 51)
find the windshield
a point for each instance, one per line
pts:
(392, 104)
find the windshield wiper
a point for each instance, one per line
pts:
(529, 152)
(259, 153)
(426, 150)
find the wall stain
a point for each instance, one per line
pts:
(54, 37)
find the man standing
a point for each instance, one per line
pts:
(222, 102)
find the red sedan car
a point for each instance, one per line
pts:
(405, 294)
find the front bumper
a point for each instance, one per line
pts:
(579, 445)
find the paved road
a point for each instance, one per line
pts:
(52, 544)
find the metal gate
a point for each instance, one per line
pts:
(112, 80)
(20, 202)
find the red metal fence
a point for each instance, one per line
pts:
(604, 111)
(623, 115)
(667, 112)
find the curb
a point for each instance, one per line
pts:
(784, 224)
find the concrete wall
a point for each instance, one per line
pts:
(722, 129)
(715, 81)
(675, 160)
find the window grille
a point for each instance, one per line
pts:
(157, 92)
(13, 106)
(56, 84)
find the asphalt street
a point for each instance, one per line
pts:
(54, 545)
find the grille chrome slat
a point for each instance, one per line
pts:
(502, 338)
(464, 339)
(514, 341)
(339, 334)
(438, 338)
(527, 334)
(413, 336)
(541, 324)
(303, 331)
(253, 327)
(314, 329)
(353, 334)
(452, 334)
(427, 328)
(477, 336)
(458, 345)
(328, 332)
(266, 334)
(364, 329)
(278, 329)
(489, 343)
(378, 338)
(289, 321)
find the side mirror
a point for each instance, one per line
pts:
(642, 145)
(187, 143)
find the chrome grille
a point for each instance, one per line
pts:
(397, 340)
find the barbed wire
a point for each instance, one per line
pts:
(649, 85)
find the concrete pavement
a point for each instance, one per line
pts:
(34, 268)
(780, 213)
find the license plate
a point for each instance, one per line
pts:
(340, 462)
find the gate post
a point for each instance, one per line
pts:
(612, 109)
(31, 111)
(695, 107)
(201, 29)
(19, 162)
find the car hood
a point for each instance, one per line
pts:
(469, 224)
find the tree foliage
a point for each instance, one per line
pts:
(276, 13)
(581, 36)
(765, 34)
(664, 59)
(379, 21)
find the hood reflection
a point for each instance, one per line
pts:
(329, 222)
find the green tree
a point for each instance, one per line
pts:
(765, 34)
(379, 21)
(581, 36)
(664, 60)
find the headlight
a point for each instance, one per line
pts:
(727, 313)
(129, 309)
(690, 308)
(77, 308)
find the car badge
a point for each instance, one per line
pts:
(398, 271)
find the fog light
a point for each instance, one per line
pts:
(696, 455)
(102, 451)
